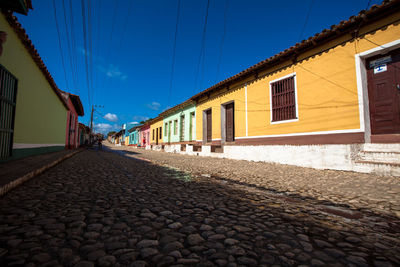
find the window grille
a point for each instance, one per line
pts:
(8, 95)
(283, 99)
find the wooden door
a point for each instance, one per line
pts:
(384, 93)
(209, 126)
(229, 123)
(156, 136)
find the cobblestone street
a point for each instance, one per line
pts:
(99, 208)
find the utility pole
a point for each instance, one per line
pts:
(91, 122)
(91, 126)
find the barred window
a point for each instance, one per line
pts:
(283, 99)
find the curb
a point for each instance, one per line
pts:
(11, 185)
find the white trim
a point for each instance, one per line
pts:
(216, 139)
(306, 133)
(378, 50)
(295, 96)
(245, 107)
(362, 85)
(21, 145)
(286, 121)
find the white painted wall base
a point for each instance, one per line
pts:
(172, 148)
(157, 147)
(382, 159)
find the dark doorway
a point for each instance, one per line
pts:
(230, 122)
(156, 136)
(209, 126)
(383, 73)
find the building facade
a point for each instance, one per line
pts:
(32, 103)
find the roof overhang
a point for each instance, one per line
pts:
(352, 25)
(13, 22)
(19, 6)
(76, 101)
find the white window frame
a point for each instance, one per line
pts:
(295, 98)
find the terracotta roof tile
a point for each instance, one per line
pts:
(21, 33)
(345, 26)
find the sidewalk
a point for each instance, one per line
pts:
(16, 172)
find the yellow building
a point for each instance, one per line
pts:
(156, 137)
(335, 88)
(34, 113)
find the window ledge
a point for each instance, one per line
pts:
(285, 121)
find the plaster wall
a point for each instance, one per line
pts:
(40, 117)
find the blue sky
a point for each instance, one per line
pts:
(129, 46)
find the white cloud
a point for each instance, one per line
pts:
(113, 71)
(133, 122)
(104, 128)
(154, 105)
(111, 117)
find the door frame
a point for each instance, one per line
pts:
(223, 119)
(362, 83)
(205, 125)
(192, 126)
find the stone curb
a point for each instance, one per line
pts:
(11, 185)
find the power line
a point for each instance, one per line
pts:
(90, 49)
(122, 35)
(306, 20)
(67, 31)
(222, 41)
(86, 49)
(73, 41)
(173, 53)
(59, 43)
(203, 40)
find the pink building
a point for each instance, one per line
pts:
(75, 109)
(144, 135)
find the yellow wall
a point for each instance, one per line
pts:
(155, 126)
(326, 89)
(40, 116)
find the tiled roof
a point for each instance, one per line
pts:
(344, 27)
(177, 107)
(76, 101)
(12, 20)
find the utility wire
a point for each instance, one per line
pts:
(222, 41)
(174, 53)
(203, 40)
(86, 49)
(74, 74)
(306, 20)
(59, 43)
(122, 35)
(90, 48)
(110, 39)
(73, 40)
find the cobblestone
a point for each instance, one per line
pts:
(358, 190)
(100, 209)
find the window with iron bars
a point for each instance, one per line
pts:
(283, 99)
